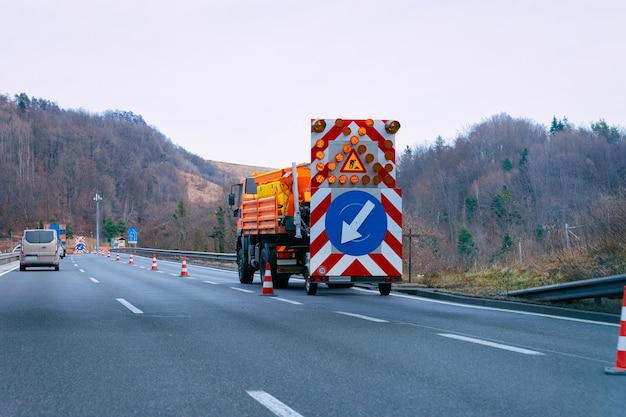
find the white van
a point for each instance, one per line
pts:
(40, 247)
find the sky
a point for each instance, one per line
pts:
(240, 80)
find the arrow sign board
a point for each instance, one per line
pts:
(356, 223)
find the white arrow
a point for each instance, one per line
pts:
(349, 232)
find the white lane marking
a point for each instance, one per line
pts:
(212, 283)
(129, 306)
(526, 313)
(277, 407)
(81, 270)
(359, 316)
(491, 344)
(94, 280)
(287, 301)
(242, 290)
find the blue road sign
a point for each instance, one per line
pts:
(356, 223)
(132, 235)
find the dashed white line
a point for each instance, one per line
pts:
(211, 282)
(491, 344)
(360, 316)
(94, 280)
(129, 306)
(277, 407)
(287, 301)
(242, 290)
(81, 270)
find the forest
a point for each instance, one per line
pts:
(506, 193)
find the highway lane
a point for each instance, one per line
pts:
(103, 337)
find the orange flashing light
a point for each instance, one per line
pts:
(346, 148)
(369, 123)
(319, 178)
(354, 179)
(318, 126)
(343, 179)
(354, 140)
(319, 143)
(366, 179)
(332, 179)
(347, 131)
(339, 157)
(331, 166)
(319, 155)
(392, 126)
(362, 131)
(319, 166)
(339, 122)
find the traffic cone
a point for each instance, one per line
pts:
(117, 257)
(130, 260)
(109, 254)
(154, 265)
(268, 285)
(184, 272)
(620, 362)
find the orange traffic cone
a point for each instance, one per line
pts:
(620, 362)
(117, 257)
(184, 272)
(154, 265)
(130, 260)
(268, 285)
(109, 254)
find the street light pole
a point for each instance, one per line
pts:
(97, 199)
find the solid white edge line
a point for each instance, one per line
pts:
(490, 344)
(526, 313)
(277, 407)
(129, 306)
(360, 316)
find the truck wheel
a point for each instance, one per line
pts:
(282, 281)
(311, 287)
(246, 274)
(384, 288)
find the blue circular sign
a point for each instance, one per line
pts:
(356, 223)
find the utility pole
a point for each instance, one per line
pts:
(97, 199)
(410, 236)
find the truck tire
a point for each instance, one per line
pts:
(311, 287)
(246, 274)
(282, 281)
(384, 288)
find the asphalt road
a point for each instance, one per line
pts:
(102, 338)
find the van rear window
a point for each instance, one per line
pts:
(39, 236)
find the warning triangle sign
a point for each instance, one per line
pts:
(353, 163)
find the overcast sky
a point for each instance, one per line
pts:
(239, 80)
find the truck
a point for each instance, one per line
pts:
(336, 220)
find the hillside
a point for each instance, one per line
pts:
(59, 159)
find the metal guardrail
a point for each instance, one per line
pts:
(5, 258)
(612, 286)
(177, 254)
